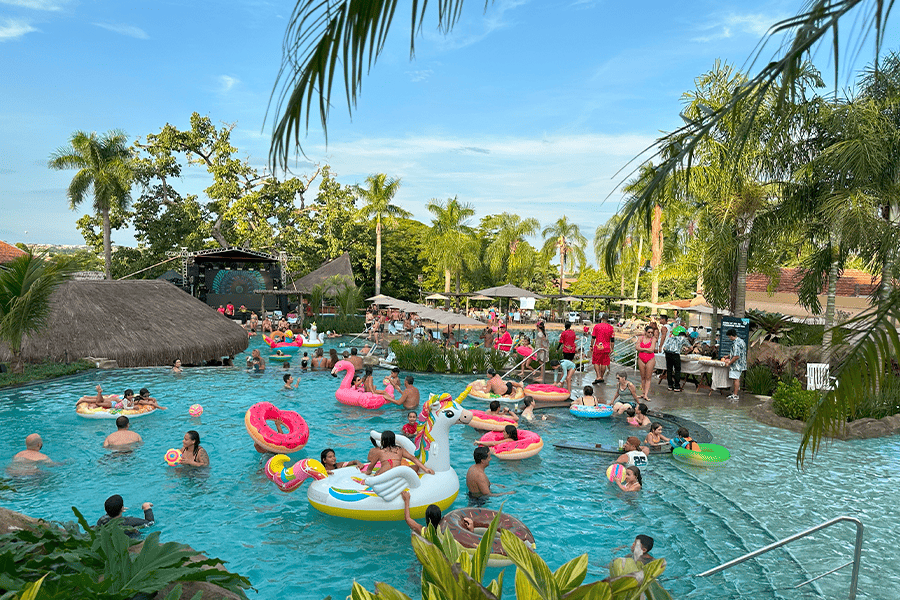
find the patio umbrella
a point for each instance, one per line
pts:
(508, 291)
(380, 299)
(569, 299)
(436, 297)
(478, 297)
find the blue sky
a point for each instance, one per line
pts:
(529, 107)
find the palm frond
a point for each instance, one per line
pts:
(870, 361)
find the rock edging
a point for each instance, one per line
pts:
(861, 429)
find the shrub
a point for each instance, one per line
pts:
(339, 324)
(791, 401)
(759, 380)
(885, 404)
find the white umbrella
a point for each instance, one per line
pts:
(436, 297)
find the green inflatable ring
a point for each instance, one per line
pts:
(277, 358)
(709, 455)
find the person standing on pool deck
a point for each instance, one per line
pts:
(602, 342)
(567, 342)
(737, 362)
(122, 436)
(32, 451)
(477, 481)
(672, 349)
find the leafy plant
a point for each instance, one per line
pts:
(768, 327)
(496, 359)
(791, 401)
(759, 380)
(883, 404)
(45, 370)
(448, 573)
(70, 564)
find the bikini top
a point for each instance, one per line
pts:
(649, 344)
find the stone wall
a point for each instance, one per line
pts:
(861, 429)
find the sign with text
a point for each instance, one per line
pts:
(741, 326)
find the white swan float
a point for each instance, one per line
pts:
(314, 338)
(351, 494)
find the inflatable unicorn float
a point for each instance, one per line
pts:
(288, 342)
(351, 396)
(351, 494)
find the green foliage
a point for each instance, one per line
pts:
(44, 371)
(338, 324)
(759, 380)
(448, 573)
(71, 564)
(791, 401)
(883, 404)
(427, 357)
(26, 284)
(767, 326)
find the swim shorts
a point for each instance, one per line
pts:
(600, 357)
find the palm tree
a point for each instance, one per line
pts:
(104, 168)
(26, 284)
(377, 197)
(508, 250)
(565, 238)
(452, 242)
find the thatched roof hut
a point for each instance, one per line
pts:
(136, 323)
(337, 266)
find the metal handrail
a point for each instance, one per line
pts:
(857, 553)
(518, 364)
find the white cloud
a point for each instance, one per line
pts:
(129, 30)
(422, 75)
(11, 29)
(757, 24)
(37, 4)
(226, 82)
(488, 22)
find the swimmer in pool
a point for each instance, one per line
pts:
(587, 399)
(477, 481)
(633, 481)
(624, 386)
(510, 434)
(494, 408)
(655, 436)
(502, 388)
(391, 455)
(329, 461)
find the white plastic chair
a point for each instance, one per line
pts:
(818, 377)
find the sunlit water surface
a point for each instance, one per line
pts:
(698, 517)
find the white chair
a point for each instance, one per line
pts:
(818, 377)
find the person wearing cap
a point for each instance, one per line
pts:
(115, 508)
(672, 349)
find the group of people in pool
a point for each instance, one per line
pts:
(128, 401)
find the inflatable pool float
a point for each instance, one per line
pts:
(710, 455)
(351, 494)
(481, 391)
(315, 340)
(524, 350)
(351, 396)
(528, 444)
(591, 412)
(542, 392)
(275, 440)
(291, 346)
(140, 410)
(280, 357)
(488, 422)
(481, 519)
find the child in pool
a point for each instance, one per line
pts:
(633, 482)
(637, 417)
(409, 429)
(623, 386)
(655, 436)
(510, 434)
(587, 399)
(684, 440)
(329, 461)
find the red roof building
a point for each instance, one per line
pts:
(9, 253)
(852, 283)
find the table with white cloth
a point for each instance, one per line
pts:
(698, 365)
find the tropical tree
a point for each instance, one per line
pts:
(26, 284)
(564, 237)
(104, 170)
(509, 253)
(451, 241)
(377, 196)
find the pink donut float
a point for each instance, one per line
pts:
(542, 392)
(488, 422)
(524, 350)
(528, 444)
(255, 420)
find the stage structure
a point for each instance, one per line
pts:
(233, 275)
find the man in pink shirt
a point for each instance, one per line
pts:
(601, 347)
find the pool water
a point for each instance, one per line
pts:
(698, 517)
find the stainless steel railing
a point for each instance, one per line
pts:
(857, 553)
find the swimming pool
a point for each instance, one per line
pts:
(699, 518)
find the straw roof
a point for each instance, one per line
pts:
(337, 266)
(136, 323)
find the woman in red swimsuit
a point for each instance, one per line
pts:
(646, 359)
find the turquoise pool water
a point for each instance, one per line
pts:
(698, 517)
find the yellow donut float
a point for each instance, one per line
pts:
(482, 391)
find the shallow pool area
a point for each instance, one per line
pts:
(699, 517)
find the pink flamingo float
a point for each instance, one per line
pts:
(347, 394)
